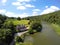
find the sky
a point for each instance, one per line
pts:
(25, 8)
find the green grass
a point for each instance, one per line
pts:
(16, 22)
(25, 43)
(56, 28)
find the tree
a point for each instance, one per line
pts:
(2, 19)
(18, 18)
(7, 31)
(5, 36)
(35, 26)
(0, 23)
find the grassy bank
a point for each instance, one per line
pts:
(26, 43)
(56, 28)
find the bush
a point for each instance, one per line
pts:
(31, 31)
(5, 36)
(18, 39)
(18, 18)
(35, 27)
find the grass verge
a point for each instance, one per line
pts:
(56, 28)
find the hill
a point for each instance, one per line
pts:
(51, 17)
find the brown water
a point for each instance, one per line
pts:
(46, 37)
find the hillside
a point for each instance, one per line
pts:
(51, 17)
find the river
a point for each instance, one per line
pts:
(46, 37)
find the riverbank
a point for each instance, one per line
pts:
(56, 28)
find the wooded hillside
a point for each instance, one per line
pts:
(51, 17)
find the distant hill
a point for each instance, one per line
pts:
(51, 17)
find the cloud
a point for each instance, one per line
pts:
(50, 10)
(3, 1)
(22, 4)
(11, 14)
(46, 6)
(29, 5)
(24, 15)
(21, 7)
(35, 12)
(2, 11)
(16, 3)
(24, 0)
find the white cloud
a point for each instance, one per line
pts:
(11, 14)
(2, 11)
(16, 3)
(24, 0)
(36, 10)
(23, 4)
(34, 13)
(29, 5)
(21, 7)
(3, 2)
(54, 7)
(50, 10)
(24, 15)
(46, 6)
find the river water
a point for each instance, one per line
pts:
(46, 37)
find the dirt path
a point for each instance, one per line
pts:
(46, 37)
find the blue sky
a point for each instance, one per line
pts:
(24, 8)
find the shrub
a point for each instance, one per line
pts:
(31, 31)
(5, 36)
(18, 39)
(18, 18)
(35, 25)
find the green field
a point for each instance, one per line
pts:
(16, 22)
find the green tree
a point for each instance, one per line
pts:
(18, 18)
(35, 26)
(5, 36)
